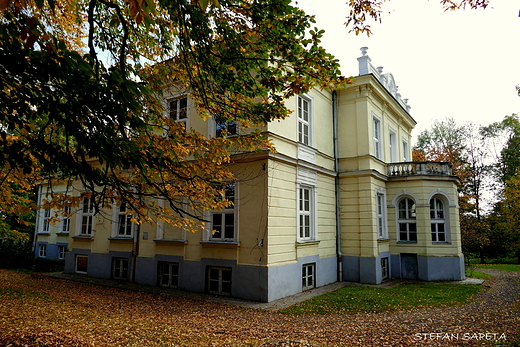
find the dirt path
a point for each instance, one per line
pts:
(44, 311)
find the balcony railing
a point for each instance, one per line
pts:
(415, 168)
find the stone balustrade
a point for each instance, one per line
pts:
(415, 168)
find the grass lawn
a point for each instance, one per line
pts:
(361, 299)
(478, 274)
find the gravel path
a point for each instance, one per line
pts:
(67, 313)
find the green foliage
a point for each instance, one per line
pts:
(509, 130)
(16, 254)
(93, 113)
(360, 299)
(478, 274)
(48, 265)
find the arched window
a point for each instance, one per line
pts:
(406, 221)
(438, 220)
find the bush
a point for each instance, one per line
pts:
(48, 265)
(16, 255)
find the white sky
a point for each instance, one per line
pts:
(463, 64)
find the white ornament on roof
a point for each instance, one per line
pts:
(386, 79)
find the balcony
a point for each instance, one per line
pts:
(415, 168)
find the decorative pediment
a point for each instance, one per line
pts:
(386, 79)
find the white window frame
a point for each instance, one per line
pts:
(79, 256)
(406, 151)
(381, 214)
(308, 276)
(392, 138)
(438, 220)
(161, 225)
(170, 272)
(42, 250)
(406, 220)
(306, 181)
(120, 216)
(224, 285)
(46, 217)
(85, 218)
(377, 137)
(304, 119)
(307, 215)
(178, 112)
(62, 250)
(220, 235)
(65, 220)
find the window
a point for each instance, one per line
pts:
(120, 269)
(223, 128)
(406, 156)
(61, 252)
(46, 220)
(406, 221)
(87, 216)
(219, 280)
(42, 250)
(178, 110)
(438, 221)
(382, 230)
(81, 263)
(223, 223)
(308, 276)
(306, 203)
(377, 138)
(384, 269)
(65, 220)
(125, 227)
(304, 120)
(168, 274)
(393, 146)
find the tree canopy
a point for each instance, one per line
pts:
(82, 83)
(361, 11)
(81, 86)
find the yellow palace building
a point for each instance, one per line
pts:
(340, 200)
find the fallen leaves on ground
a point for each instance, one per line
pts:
(41, 310)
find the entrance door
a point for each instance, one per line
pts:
(409, 267)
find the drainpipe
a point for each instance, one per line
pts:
(336, 183)
(37, 222)
(135, 253)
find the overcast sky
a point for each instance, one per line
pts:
(462, 64)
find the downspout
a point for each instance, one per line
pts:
(135, 253)
(37, 222)
(336, 183)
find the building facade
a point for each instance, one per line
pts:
(339, 200)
